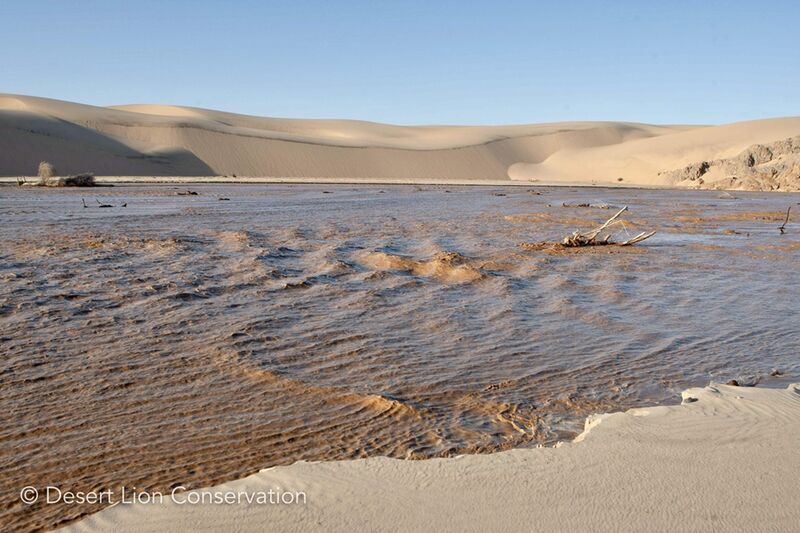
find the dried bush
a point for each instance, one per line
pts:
(46, 172)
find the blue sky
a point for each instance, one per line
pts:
(414, 62)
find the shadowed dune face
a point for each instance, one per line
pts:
(185, 340)
(26, 137)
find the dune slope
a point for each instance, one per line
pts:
(160, 140)
(652, 161)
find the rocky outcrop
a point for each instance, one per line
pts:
(761, 167)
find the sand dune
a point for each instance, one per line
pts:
(648, 161)
(724, 459)
(162, 140)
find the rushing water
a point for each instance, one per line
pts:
(187, 339)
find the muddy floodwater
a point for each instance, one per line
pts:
(188, 339)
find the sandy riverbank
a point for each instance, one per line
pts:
(726, 458)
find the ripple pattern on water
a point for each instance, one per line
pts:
(183, 340)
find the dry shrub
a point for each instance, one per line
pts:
(46, 172)
(47, 178)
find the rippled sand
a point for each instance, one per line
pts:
(188, 340)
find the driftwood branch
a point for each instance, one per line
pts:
(101, 204)
(595, 232)
(590, 238)
(639, 238)
(783, 226)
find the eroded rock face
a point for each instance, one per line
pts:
(696, 170)
(761, 167)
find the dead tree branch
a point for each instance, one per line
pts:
(783, 226)
(590, 238)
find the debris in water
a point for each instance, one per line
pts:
(590, 238)
(782, 227)
(596, 206)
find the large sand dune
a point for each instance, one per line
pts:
(158, 140)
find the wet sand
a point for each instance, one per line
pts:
(723, 460)
(186, 339)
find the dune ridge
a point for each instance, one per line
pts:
(647, 468)
(181, 141)
(166, 140)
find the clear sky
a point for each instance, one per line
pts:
(414, 62)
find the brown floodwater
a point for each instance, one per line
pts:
(188, 340)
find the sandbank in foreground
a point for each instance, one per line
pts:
(726, 458)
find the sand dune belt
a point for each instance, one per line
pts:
(161, 142)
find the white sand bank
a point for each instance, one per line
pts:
(728, 461)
